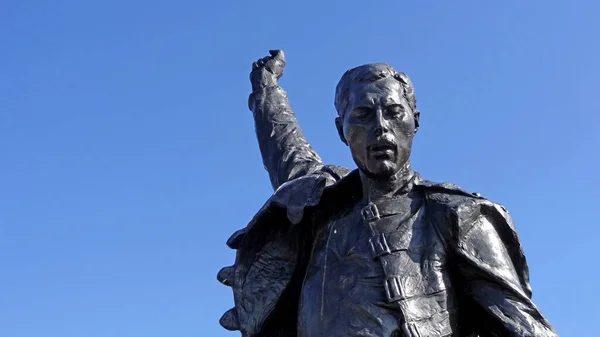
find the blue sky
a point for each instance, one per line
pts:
(128, 152)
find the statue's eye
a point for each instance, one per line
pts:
(361, 113)
(395, 110)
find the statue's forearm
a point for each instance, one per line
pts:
(285, 151)
(507, 313)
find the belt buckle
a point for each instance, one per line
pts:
(379, 246)
(370, 213)
(393, 288)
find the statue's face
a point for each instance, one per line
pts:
(378, 126)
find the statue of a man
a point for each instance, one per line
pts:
(374, 252)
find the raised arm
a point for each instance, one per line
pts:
(285, 151)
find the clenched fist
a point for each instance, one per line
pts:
(267, 70)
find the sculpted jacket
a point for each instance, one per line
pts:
(455, 269)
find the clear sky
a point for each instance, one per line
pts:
(129, 157)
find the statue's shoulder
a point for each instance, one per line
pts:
(306, 191)
(324, 176)
(482, 229)
(452, 197)
(465, 209)
(446, 191)
(292, 197)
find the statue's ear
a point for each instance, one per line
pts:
(417, 116)
(340, 128)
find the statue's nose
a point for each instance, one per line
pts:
(381, 126)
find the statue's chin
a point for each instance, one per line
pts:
(382, 170)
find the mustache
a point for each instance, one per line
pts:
(382, 142)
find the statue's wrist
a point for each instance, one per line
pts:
(264, 85)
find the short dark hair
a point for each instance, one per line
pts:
(369, 73)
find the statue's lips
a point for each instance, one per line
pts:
(382, 149)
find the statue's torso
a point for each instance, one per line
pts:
(356, 285)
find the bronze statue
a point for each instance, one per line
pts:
(374, 252)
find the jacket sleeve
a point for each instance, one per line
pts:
(285, 151)
(272, 252)
(494, 270)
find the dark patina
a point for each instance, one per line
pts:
(374, 252)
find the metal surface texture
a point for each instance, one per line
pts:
(373, 252)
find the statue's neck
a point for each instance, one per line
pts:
(374, 189)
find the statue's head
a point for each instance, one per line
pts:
(377, 118)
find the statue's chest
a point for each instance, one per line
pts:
(367, 261)
(390, 244)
